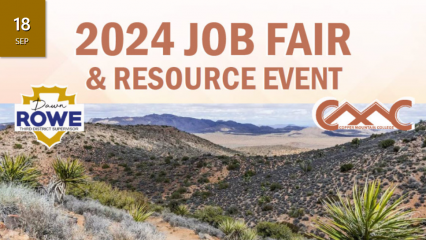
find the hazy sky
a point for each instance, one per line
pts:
(259, 114)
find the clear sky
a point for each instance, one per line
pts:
(259, 114)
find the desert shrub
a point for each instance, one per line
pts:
(95, 208)
(18, 170)
(234, 165)
(267, 207)
(38, 216)
(232, 210)
(376, 135)
(386, 143)
(202, 194)
(222, 185)
(203, 180)
(306, 165)
(237, 230)
(274, 230)
(210, 214)
(346, 167)
(264, 199)
(17, 146)
(356, 141)
(88, 147)
(108, 195)
(200, 164)
(136, 230)
(104, 229)
(275, 186)
(193, 224)
(420, 128)
(396, 148)
(181, 210)
(249, 173)
(424, 144)
(156, 208)
(176, 195)
(296, 212)
(96, 224)
(105, 166)
(173, 205)
(370, 215)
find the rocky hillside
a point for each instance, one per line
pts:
(109, 143)
(173, 166)
(287, 188)
(193, 125)
(291, 188)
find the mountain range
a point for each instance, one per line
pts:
(193, 125)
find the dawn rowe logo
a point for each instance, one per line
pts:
(49, 114)
(374, 116)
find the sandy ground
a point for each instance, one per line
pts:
(173, 233)
(307, 138)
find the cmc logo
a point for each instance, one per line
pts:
(49, 114)
(346, 116)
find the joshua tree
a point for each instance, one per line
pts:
(19, 169)
(371, 215)
(67, 172)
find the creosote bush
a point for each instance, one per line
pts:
(275, 186)
(386, 143)
(355, 141)
(346, 167)
(396, 149)
(274, 230)
(211, 214)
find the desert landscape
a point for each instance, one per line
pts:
(116, 181)
(277, 143)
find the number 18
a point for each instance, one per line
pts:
(25, 24)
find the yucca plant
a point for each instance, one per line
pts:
(371, 215)
(19, 169)
(237, 230)
(67, 172)
(181, 210)
(140, 212)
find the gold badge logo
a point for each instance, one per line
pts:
(49, 114)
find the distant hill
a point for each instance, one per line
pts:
(109, 143)
(193, 125)
(4, 125)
